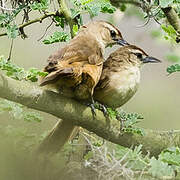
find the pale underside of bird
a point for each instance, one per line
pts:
(121, 76)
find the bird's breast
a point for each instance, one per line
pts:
(122, 85)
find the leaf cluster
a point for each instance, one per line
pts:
(57, 37)
(166, 166)
(128, 120)
(19, 73)
(7, 21)
(41, 5)
(18, 111)
(92, 7)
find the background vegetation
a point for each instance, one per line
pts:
(51, 22)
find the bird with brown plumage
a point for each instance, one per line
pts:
(76, 69)
(118, 83)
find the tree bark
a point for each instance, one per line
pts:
(71, 111)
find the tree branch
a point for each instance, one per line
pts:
(32, 96)
(67, 14)
(40, 19)
(173, 19)
(169, 12)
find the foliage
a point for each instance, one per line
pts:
(173, 68)
(18, 111)
(57, 37)
(19, 73)
(41, 5)
(165, 3)
(92, 7)
(171, 33)
(128, 120)
(129, 163)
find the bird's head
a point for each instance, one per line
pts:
(106, 33)
(138, 56)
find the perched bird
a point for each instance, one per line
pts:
(118, 83)
(121, 76)
(75, 69)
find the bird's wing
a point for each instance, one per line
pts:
(93, 71)
(54, 75)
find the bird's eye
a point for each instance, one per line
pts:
(139, 55)
(113, 33)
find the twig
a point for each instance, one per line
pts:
(45, 31)
(40, 19)
(67, 14)
(7, 9)
(10, 52)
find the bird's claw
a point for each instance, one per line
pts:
(121, 123)
(93, 110)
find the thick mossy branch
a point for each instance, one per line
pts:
(34, 97)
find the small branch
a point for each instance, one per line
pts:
(6, 9)
(67, 14)
(32, 96)
(169, 12)
(40, 19)
(173, 19)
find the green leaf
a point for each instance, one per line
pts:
(60, 21)
(133, 158)
(19, 73)
(173, 68)
(106, 7)
(160, 169)
(170, 32)
(123, 7)
(12, 31)
(74, 13)
(75, 29)
(170, 158)
(165, 3)
(57, 37)
(42, 5)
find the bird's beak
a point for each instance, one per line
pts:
(122, 42)
(149, 59)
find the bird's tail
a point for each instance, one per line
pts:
(58, 136)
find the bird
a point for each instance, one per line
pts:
(75, 70)
(120, 77)
(118, 83)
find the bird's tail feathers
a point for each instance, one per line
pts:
(54, 76)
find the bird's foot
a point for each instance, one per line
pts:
(122, 125)
(104, 110)
(93, 109)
